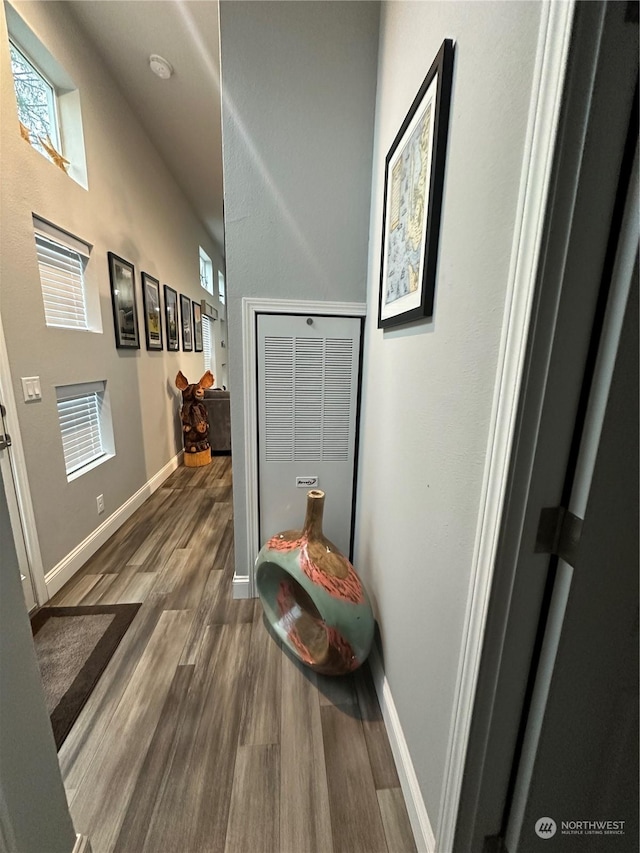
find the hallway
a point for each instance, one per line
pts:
(202, 735)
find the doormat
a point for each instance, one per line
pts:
(73, 647)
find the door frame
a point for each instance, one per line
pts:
(17, 457)
(244, 585)
(538, 187)
(597, 101)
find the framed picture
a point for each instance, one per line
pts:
(413, 184)
(171, 317)
(185, 315)
(152, 318)
(123, 298)
(197, 327)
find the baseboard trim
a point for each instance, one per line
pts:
(82, 845)
(241, 587)
(58, 576)
(420, 823)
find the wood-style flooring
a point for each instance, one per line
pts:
(203, 735)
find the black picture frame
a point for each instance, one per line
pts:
(415, 167)
(197, 327)
(122, 277)
(187, 329)
(171, 318)
(152, 311)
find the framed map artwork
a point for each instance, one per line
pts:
(413, 185)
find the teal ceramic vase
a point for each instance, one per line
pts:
(313, 598)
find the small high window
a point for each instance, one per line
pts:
(221, 288)
(85, 426)
(47, 100)
(206, 271)
(37, 106)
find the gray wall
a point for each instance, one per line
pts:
(133, 208)
(428, 388)
(34, 817)
(298, 88)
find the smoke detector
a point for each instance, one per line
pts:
(160, 66)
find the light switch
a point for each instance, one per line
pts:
(31, 388)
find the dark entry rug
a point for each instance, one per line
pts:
(73, 647)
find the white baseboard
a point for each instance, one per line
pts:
(82, 845)
(58, 576)
(420, 823)
(241, 586)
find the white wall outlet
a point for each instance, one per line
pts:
(100, 504)
(31, 388)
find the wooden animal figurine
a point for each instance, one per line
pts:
(195, 421)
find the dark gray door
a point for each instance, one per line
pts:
(576, 787)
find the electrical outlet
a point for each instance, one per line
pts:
(100, 503)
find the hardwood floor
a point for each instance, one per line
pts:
(203, 735)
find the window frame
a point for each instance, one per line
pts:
(79, 391)
(69, 243)
(203, 258)
(207, 334)
(52, 98)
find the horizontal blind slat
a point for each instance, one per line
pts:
(79, 418)
(62, 282)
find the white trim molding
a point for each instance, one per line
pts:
(416, 809)
(82, 845)
(58, 576)
(241, 587)
(538, 158)
(251, 307)
(19, 469)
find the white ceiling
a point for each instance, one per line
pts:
(180, 115)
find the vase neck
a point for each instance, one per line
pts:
(315, 508)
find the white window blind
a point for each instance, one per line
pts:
(207, 343)
(79, 417)
(62, 280)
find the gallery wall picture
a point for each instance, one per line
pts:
(171, 317)
(152, 314)
(123, 299)
(197, 327)
(413, 187)
(187, 331)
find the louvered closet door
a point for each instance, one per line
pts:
(307, 404)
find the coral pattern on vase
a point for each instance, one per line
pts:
(334, 640)
(348, 589)
(313, 597)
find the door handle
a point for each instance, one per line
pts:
(5, 441)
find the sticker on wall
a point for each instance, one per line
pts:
(307, 482)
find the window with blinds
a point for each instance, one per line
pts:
(61, 262)
(80, 414)
(207, 343)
